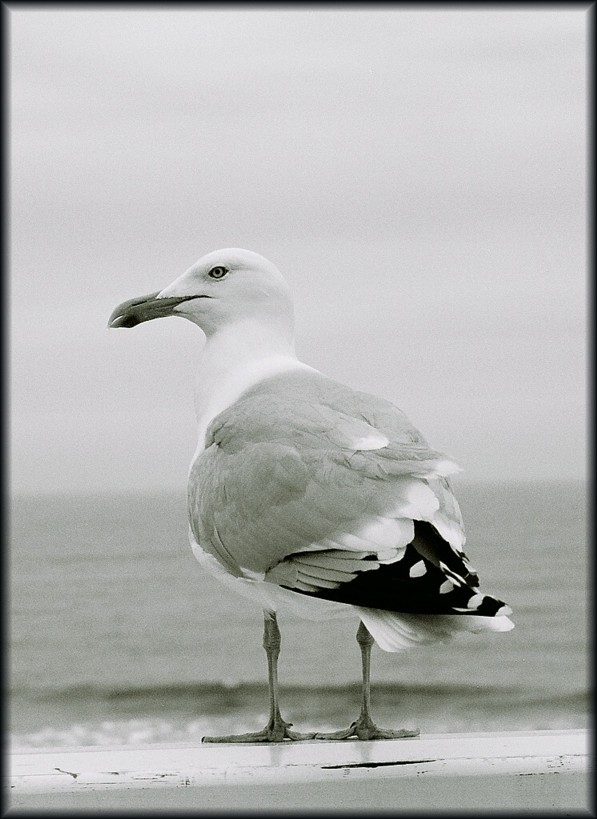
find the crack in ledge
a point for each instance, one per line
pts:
(376, 764)
(70, 773)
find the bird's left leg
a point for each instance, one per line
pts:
(276, 729)
(364, 727)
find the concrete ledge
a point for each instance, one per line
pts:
(536, 770)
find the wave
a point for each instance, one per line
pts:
(103, 715)
(222, 696)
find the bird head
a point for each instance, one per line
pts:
(223, 288)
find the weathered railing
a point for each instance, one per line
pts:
(534, 770)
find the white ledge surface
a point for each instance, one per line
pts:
(534, 770)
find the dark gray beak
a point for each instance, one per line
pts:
(145, 308)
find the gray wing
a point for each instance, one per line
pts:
(302, 465)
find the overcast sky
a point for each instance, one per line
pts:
(419, 176)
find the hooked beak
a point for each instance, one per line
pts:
(145, 308)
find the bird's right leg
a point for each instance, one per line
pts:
(276, 730)
(364, 727)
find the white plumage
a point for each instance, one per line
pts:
(303, 492)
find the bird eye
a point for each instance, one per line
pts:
(217, 272)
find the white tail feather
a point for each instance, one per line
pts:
(397, 632)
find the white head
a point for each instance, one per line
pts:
(225, 287)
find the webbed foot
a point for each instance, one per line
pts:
(364, 728)
(276, 731)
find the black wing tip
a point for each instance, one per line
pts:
(391, 587)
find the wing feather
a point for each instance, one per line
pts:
(282, 474)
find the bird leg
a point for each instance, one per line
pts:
(276, 729)
(364, 727)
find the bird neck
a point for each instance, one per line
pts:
(236, 358)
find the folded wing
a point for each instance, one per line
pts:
(333, 493)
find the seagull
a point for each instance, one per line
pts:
(305, 494)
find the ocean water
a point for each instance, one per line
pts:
(118, 636)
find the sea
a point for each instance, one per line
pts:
(117, 636)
